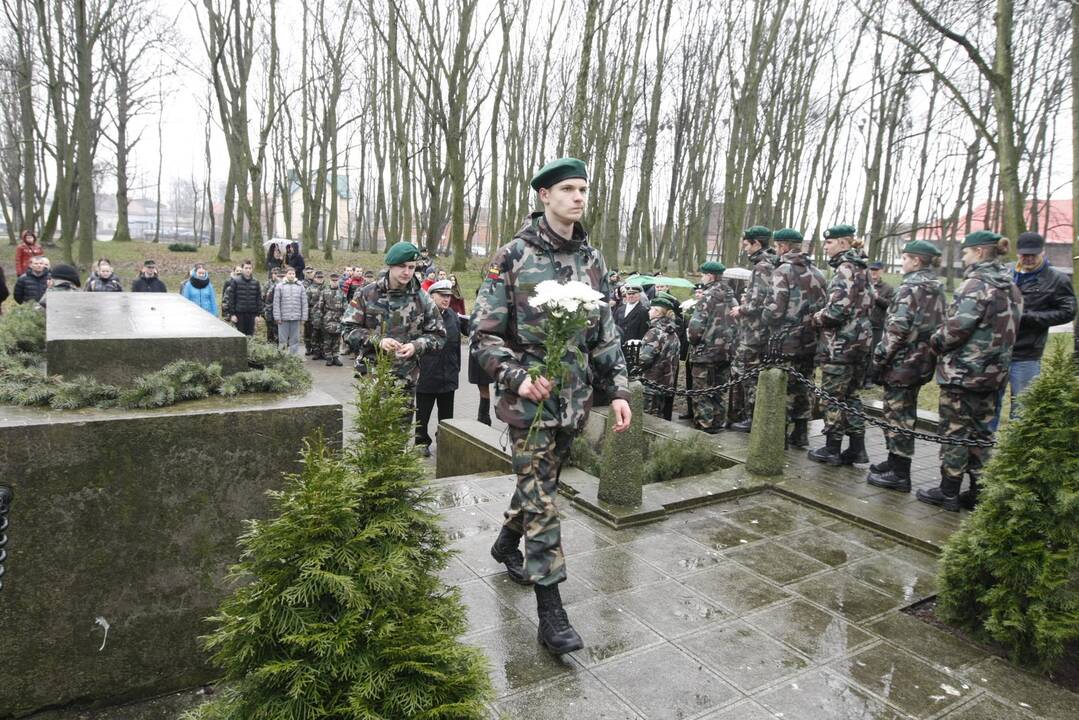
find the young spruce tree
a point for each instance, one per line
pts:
(1011, 573)
(343, 614)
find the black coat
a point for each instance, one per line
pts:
(29, 288)
(633, 327)
(244, 296)
(440, 371)
(3, 287)
(144, 284)
(1048, 300)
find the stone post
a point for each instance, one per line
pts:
(622, 462)
(768, 437)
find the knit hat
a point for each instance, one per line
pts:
(66, 272)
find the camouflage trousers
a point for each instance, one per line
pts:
(799, 399)
(331, 342)
(710, 411)
(844, 380)
(532, 511)
(964, 414)
(656, 404)
(900, 408)
(749, 358)
(271, 332)
(312, 337)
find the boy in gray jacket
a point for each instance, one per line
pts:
(290, 312)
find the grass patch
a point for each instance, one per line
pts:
(668, 459)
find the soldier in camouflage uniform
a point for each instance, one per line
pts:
(883, 295)
(393, 315)
(974, 348)
(276, 276)
(659, 352)
(331, 308)
(711, 335)
(798, 293)
(903, 361)
(845, 339)
(508, 340)
(312, 329)
(754, 330)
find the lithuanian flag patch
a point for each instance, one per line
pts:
(494, 273)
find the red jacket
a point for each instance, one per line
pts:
(23, 254)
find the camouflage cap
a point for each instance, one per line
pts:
(840, 231)
(402, 252)
(757, 232)
(788, 235)
(556, 171)
(714, 267)
(921, 247)
(666, 300)
(982, 237)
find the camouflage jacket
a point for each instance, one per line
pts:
(331, 308)
(798, 291)
(267, 300)
(711, 335)
(660, 349)
(916, 312)
(884, 293)
(845, 317)
(314, 302)
(975, 342)
(408, 315)
(508, 335)
(755, 298)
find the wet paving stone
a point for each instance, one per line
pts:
(904, 681)
(1018, 689)
(484, 609)
(500, 489)
(817, 634)
(456, 573)
(843, 594)
(716, 533)
(516, 659)
(743, 655)
(823, 696)
(796, 509)
(903, 582)
(577, 539)
(987, 708)
(826, 547)
(462, 522)
(775, 562)
(917, 558)
(613, 569)
(475, 552)
(765, 520)
(671, 609)
(579, 696)
(745, 710)
(688, 688)
(861, 535)
(673, 554)
(735, 588)
(522, 598)
(457, 494)
(608, 631)
(926, 641)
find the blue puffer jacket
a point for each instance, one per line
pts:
(201, 292)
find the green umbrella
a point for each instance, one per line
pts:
(672, 281)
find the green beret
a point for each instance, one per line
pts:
(921, 247)
(556, 171)
(716, 268)
(788, 235)
(666, 300)
(982, 237)
(401, 252)
(840, 231)
(757, 232)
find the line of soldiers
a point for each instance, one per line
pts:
(326, 305)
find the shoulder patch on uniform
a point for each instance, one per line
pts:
(494, 272)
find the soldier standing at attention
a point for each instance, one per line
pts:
(903, 362)
(798, 292)
(974, 349)
(312, 330)
(660, 350)
(267, 304)
(710, 335)
(754, 338)
(331, 308)
(845, 347)
(507, 333)
(883, 300)
(393, 315)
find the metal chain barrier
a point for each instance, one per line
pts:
(5, 506)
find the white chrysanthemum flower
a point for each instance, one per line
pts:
(545, 293)
(686, 305)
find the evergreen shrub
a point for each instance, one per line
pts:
(667, 458)
(1011, 572)
(183, 247)
(342, 613)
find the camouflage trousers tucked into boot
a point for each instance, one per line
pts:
(749, 358)
(331, 344)
(964, 414)
(799, 399)
(656, 404)
(901, 408)
(532, 511)
(710, 411)
(844, 380)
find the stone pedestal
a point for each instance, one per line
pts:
(123, 526)
(115, 337)
(622, 463)
(768, 436)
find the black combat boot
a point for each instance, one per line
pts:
(506, 550)
(555, 632)
(968, 499)
(742, 426)
(881, 467)
(799, 436)
(945, 496)
(484, 413)
(897, 477)
(336, 361)
(829, 454)
(855, 453)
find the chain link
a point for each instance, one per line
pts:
(5, 506)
